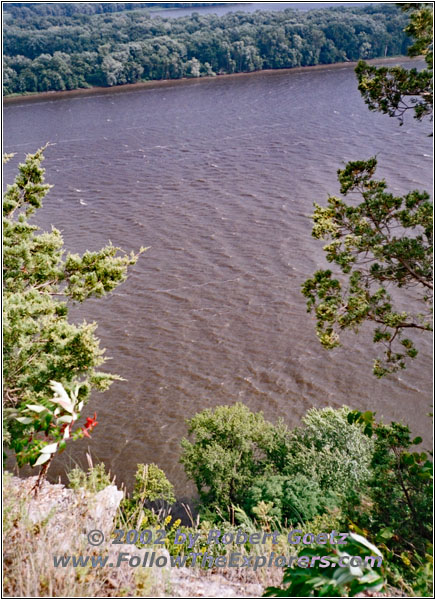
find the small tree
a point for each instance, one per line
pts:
(231, 447)
(385, 241)
(50, 364)
(331, 451)
(397, 507)
(396, 90)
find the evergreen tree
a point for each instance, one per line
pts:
(385, 241)
(50, 364)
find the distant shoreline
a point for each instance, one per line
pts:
(157, 83)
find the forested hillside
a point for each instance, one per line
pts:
(64, 51)
(26, 9)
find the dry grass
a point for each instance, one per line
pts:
(29, 547)
(55, 523)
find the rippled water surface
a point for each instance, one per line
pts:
(218, 178)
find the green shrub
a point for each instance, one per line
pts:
(422, 576)
(231, 447)
(151, 495)
(234, 448)
(295, 499)
(151, 484)
(396, 509)
(339, 470)
(331, 451)
(94, 480)
(401, 487)
(332, 580)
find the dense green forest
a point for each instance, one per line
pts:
(63, 51)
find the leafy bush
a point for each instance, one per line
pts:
(401, 486)
(152, 492)
(238, 458)
(151, 485)
(232, 446)
(294, 499)
(331, 520)
(331, 451)
(333, 580)
(94, 480)
(396, 509)
(339, 470)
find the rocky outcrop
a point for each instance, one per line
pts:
(57, 522)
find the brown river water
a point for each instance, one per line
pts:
(218, 177)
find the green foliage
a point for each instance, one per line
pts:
(340, 469)
(43, 351)
(292, 500)
(400, 492)
(331, 451)
(151, 484)
(396, 90)
(54, 49)
(401, 486)
(151, 491)
(93, 480)
(421, 575)
(231, 447)
(332, 520)
(420, 28)
(333, 580)
(384, 240)
(26, 10)
(238, 458)
(53, 419)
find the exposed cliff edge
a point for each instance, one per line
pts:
(56, 523)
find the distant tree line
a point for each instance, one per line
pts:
(43, 53)
(27, 9)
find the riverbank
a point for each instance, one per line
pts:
(158, 83)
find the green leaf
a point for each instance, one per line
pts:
(386, 533)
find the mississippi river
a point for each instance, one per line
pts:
(218, 178)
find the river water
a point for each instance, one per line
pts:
(218, 177)
(249, 7)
